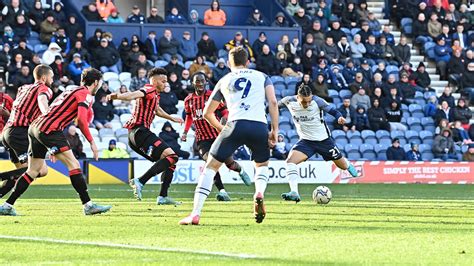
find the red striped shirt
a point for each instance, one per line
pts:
(194, 108)
(64, 109)
(25, 107)
(6, 102)
(145, 108)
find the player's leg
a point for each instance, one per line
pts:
(298, 154)
(344, 164)
(16, 142)
(204, 147)
(330, 152)
(236, 167)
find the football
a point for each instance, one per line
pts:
(322, 195)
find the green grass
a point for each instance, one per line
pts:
(363, 224)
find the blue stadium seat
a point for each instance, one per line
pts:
(382, 156)
(425, 134)
(280, 87)
(421, 102)
(292, 87)
(285, 112)
(161, 63)
(383, 134)
(291, 133)
(40, 48)
(428, 94)
(424, 148)
(365, 147)
(333, 93)
(106, 132)
(419, 95)
(285, 93)
(291, 80)
(285, 127)
(431, 53)
(284, 120)
(427, 121)
(338, 134)
(406, 21)
(404, 107)
(429, 128)
(121, 132)
(345, 93)
(187, 64)
(414, 124)
(34, 34)
(351, 134)
(381, 147)
(396, 134)
(368, 152)
(354, 155)
(427, 156)
(415, 108)
(391, 69)
(342, 141)
(356, 140)
(346, 31)
(428, 46)
(354, 31)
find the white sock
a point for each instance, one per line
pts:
(88, 204)
(6, 204)
(292, 175)
(222, 190)
(203, 189)
(261, 179)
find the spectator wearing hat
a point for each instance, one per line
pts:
(174, 17)
(173, 66)
(366, 70)
(103, 113)
(239, 40)
(78, 49)
(350, 18)
(361, 120)
(94, 41)
(72, 27)
(257, 19)
(293, 7)
(259, 43)
(421, 78)
(136, 16)
(337, 7)
(151, 46)
(349, 71)
(90, 12)
(207, 47)
(413, 154)
(402, 51)
(468, 156)
(106, 57)
(220, 70)
(322, 68)
(76, 67)
(50, 54)
(168, 46)
(322, 13)
(114, 17)
(408, 91)
(47, 28)
(154, 17)
(359, 83)
(9, 36)
(364, 32)
(114, 152)
(131, 56)
(338, 82)
(442, 53)
(358, 49)
(194, 18)
(280, 21)
(443, 146)
(395, 152)
(75, 142)
(215, 16)
(187, 47)
(105, 8)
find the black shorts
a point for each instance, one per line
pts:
(40, 143)
(15, 139)
(253, 134)
(326, 148)
(146, 143)
(204, 146)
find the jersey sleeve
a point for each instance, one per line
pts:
(323, 105)
(84, 103)
(268, 81)
(44, 90)
(187, 108)
(148, 92)
(285, 101)
(217, 93)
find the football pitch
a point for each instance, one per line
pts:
(363, 224)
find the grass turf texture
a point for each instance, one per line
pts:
(363, 224)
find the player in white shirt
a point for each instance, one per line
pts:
(308, 111)
(245, 92)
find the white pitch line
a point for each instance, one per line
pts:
(125, 246)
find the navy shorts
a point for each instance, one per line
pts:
(253, 134)
(15, 139)
(326, 148)
(146, 143)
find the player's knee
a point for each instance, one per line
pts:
(172, 158)
(43, 171)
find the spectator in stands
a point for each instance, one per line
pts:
(374, 52)
(420, 30)
(21, 27)
(142, 62)
(75, 142)
(359, 83)
(168, 46)
(364, 32)
(330, 51)
(259, 43)
(285, 45)
(22, 77)
(456, 67)
(279, 152)
(103, 91)
(366, 70)
(176, 86)
(151, 46)
(109, 37)
(374, 25)
(23, 50)
(36, 16)
(344, 50)
(350, 18)
(207, 47)
(388, 54)
(47, 28)
(199, 65)
(348, 112)
(140, 80)
(434, 26)
(132, 56)
(349, 71)
(106, 57)
(361, 99)
(103, 113)
(358, 49)
(395, 152)
(377, 93)
(431, 107)
(194, 18)
(308, 60)
(421, 78)
(362, 11)
(16, 64)
(170, 136)
(468, 156)
(462, 113)
(380, 75)
(173, 66)
(406, 88)
(114, 152)
(388, 35)
(361, 120)
(174, 17)
(461, 36)
(76, 67)
(443, 146)
(94, 41)
(121, 106)
(72, 27)
(58, 13)
(445, 112)
(219, 71)
(186, 81)
(136, 16)
(239, 40)
(136, 39)
(215, 16)
(60, 71)
(460, 135)
(169, 100)
(257, 19)
(9, 36)
(413, 154)
(302, 20)
(402, 51)
(78, 49)
(105, 8)
(62, 40)
(280, 21)
(9, 12)
(337, 7)
(266, 62)
(114, 17)
(154, 17)
(91, 13)
(322, 68)
(467, 82)
(320, 87)
(187, 47)
(377, 118)
(335, 32)
(293, 7)
(447, 96)
(443, 123)
(394, 116)
(125, 51)
(49, 55)
(318, 33)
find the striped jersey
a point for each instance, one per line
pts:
(64, 109)
(244, 93)
(6, 103)
(194, 108)
(145, 108)
(309, 122)
(25, 107)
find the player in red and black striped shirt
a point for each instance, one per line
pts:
(205, 133)
(31, 101)
(145, 142)
(46, 136)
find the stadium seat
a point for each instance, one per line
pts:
(382, 156)
(209, 64)
(428, 46)
(280, 87)
(187, 64)
(124, 118)
(366, 147)
(426, 135)
(125, 76)
(114, 85)
(291, 133)
(333, 93)
(329, 119)
(354, 31)
(353, 155)
(368, 152)
(414, 124)
(382, 134)
(428, 94)
(345, 93)
(160, 63)
(350, 148)
(351, 134)
(94, 132)
(291, 80)
(391, 69)
(39, 48)
(421, 102)
(292, 87)
(368, 134)
(427, 121)
(104, 132)
(277, 80)
(108, 76)
(427, 156)
(121, 132)
(123, 139)
(396, 134)
(285, 93)
(424, 148)
(285, 127)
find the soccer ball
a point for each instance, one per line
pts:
(322, 195)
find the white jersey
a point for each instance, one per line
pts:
(244, 93)
(309, 122)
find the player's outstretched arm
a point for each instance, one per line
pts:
(331, 110)
(83, 125)
(188, 122)
(273, 110)
(128, 96)
(161, 113)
